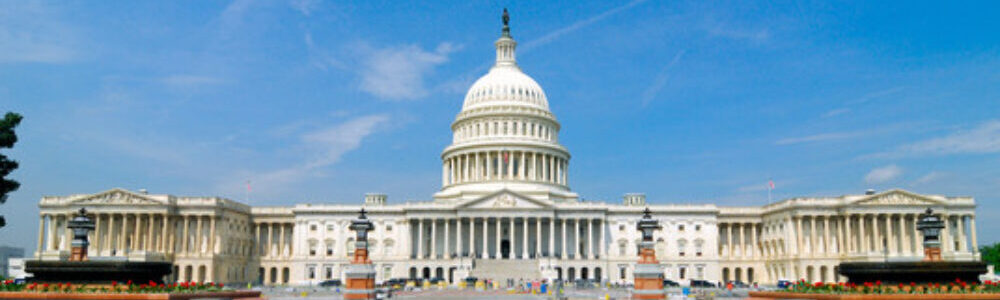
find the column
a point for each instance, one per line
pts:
(918, 240)
(946, 244)
(447, 239)
(434, 247)
(472, 236)
(877, 232)
(478, 177)
(826, 235)
(522, 172)
(551, 174)
(576, 240)
(486, 248)
(730, 227)
(41, 234)
(95, 244)
(602, 248)
(552, 237)
(538, 237)
(963, 241)
(590, 238)
(524, 233)
(813, 236)
(135, 234)
(198, 235)
(149, 233)
(211, 235)
(165, 235)
(972, 229)
(863, 233)
(563, 253)
(753, 241)
(798, 238)
(420, 238)
(49, 233)
(510, 167)
(900, 236)
(444, 173)
(109, 236)
(458, 237)
(533, 174)
(498, 254)
(848, 232)
(489, 175)
(281, 239)
(904, 234)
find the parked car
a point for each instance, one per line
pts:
(739, 284)
(670, 283)
(436, 280)
(702, 283)
(331, 283)
(470, 282)
(784, 283)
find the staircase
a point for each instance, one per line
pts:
(501, 270)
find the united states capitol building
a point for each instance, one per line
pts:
(505, 210)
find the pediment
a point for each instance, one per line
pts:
(898, 197)
(115, 197)
(505, 200)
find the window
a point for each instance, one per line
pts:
(329, 227)
(328, 270)
(700, 272)
(621, 227)
(388, 228)
(680, 228)
(312, 272)
(681, 246)
(312, 248)
(682, 271)
(697, 227)
(621, 247)
(312, 227)
(329, 248)
(622, 270)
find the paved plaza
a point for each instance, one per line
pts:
(455, 293)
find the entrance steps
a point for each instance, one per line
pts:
(502, 270)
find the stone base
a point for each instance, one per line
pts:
(917, 272)
(360, 282)
(96, 272)
(648, 282)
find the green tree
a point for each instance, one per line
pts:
(7, 140)
(990, 254)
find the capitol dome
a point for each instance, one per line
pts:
(505, 137)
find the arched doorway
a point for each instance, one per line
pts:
(836, 273)
(451, 275)
(570, 274)
(559, 274)
(439, 272)
(583, 273)
(284, 275)
(738, 274)
(750, 279)
(725, 275)
(413, 272)
(201, 274)
(427, 273)
(188, 273)
(260, 276)
(274, 275)
(809, 274)
(505, 249)
(822, 274)
(597, 274)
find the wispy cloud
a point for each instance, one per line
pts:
(836, 112)
(984, 138)
(321, 148)
(883, 174)
(31, 32)
(661, 80)
(556, 34)
(717, 29)
(822, 137)
(930, 177)
(398, 73)
(862, 100)
(306, 7)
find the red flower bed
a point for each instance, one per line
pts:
(877, 288)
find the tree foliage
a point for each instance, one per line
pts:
(990, 254)
(7, 140)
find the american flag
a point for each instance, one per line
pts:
(770, 184)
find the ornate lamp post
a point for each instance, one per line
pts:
(930, 225)
(361, 272)
(81, 226)
(648, 276)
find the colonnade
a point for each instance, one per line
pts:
(522, 237)
(505, 165)
(274, 239)
(739, 240)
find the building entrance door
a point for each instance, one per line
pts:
(505, 249)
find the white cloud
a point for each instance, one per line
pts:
(818, 138)
(931, 177)
(984, 138)
(836, 112)
(306, 7)
(398, 73)
(883, 174)
(321, 148)
(31, 32)
(737, 32)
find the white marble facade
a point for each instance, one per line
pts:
(505, 198)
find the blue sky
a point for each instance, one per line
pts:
(321, 102)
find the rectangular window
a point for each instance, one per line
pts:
(682, 272)
(329, 227)
(312, 272)
(329, 272)
(329, 249)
